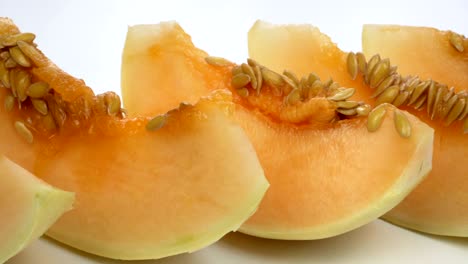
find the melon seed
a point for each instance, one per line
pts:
(387, 82)
(31, 52)
(156, 123)
(457, 41)
(431, 93)
(379, 73)
(272, 78)
(312, 78)
(402, 124)
(419, 104)
(23, 81)
(448, 106)
(437, 100)
(370, 67)
(352, 65)
(49, 122)
(247, 69)
(243, 92)
(401, 98)
(217, 61)
(24, 132)
(258, 75)
(389, 95)
(375, 117)
(40, 106)
(342, 95)
(236, 70)
(361, 61)
(12, 40)
(240, 80)
(347, 104)
(10, 63)
(363, 110)
(19, 57)
(455, 111)
(292, 76)
(38, 90)
(4, 76)
(9, 102)
(293, 97)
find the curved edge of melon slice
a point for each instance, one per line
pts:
(32, 205)
(212, 113)
(418, 167)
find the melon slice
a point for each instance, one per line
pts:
(145, 187)
(439, 205)
(328, 174)
(28, 207)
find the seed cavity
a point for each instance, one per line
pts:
(24, 132)
(157, 122)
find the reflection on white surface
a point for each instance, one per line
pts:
(378, 242)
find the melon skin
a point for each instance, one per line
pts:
(28, 207)
(439, 205)
(140, 194)
(323, 181)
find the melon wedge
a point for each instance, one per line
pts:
(144, 190)
(439, 205)
(28, 207)
(326, 179)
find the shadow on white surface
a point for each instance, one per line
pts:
(378, 242)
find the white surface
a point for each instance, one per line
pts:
(86, 38)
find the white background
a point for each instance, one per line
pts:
(86, 38)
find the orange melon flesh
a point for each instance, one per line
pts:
(439, 205)
(141, 194)
(28, 207)
(324, 182)
(164, 46)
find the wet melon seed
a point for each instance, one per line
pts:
(24, 132)
(37, 90)
(40, 106)
(9, 103)
(217, 61)
(157, 122)
(352, 65)
(17, 55)
(402, 124)
(240, 80)
(375, 117)
(342, 95)
(361, 61)
(455, 111)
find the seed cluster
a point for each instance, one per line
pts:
(17, 55)
(440, 101)
(251, 78)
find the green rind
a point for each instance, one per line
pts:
(185, 244)
(49, 204)
(417, 169)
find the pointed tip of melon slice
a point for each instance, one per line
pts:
(28, 206)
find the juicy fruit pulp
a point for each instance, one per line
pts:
(139, 194)
(439, 205)
(28, 207)
(328, 174)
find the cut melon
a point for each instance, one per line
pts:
(440, 204)
(328, 173)
(28, 207)
(145, 188)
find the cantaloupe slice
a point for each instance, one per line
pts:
(439, 205)
(145, 188)
(328, 174)
(28, 207)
